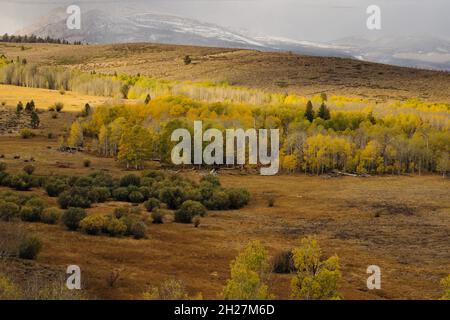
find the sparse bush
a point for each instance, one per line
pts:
(196, 220)
(116, 227)
(139, 230)
(26, 133)
(169, 290)
(8, 210)
(2, 166)
(86, 163)
(188, 210)
(152, 204)
(120, 194)
(72, 218)
(218, 201)
(136, 197)
(30, 248)
(283, 262)
(50, 135)
(50, 215)
(94, 224)
(157, 217)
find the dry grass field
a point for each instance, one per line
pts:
(303, 75)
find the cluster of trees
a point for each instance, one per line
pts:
(314, 277)
(314, 139)
(34, 39)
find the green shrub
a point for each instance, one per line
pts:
(50, 215)
(37, 204)
(72, 217)
(238, 198)
(172, 196)
(74, 197)
(21, 182)
(157, 217)
(2, 166)
(99, 194)
(29, 169)
(139, 230)
(152, 204)
(188, 210)
(213, 180)
(29, 215)
(218, 201)
(145, 191)
(94, 224)
(54, 187)
(26, 133)
(130, 180)
(136, 197)
(30, 248)
(206, 190)
(120, 194)
(116, 227)
(8, 210)
(121, 212)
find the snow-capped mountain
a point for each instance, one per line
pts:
(99, 26)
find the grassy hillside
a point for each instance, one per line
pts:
(274, 72)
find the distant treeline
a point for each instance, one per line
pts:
(34, 39)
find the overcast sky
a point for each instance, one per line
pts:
(315, 20)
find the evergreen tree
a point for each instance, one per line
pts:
(19, 108)
(324, 112)
(309, 113)
(35, 121)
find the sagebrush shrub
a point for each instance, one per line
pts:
(130, 180)
(72, 217)
(30, 248)
(50, 215)
(29, 215)
(219, 201)
(238, 198)
(120, 194)
(94, 224)
(188, 210)
(115, 227)
(152, 204)
(139, 230)
(157, 217)
(136, 197)
(8, 210)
